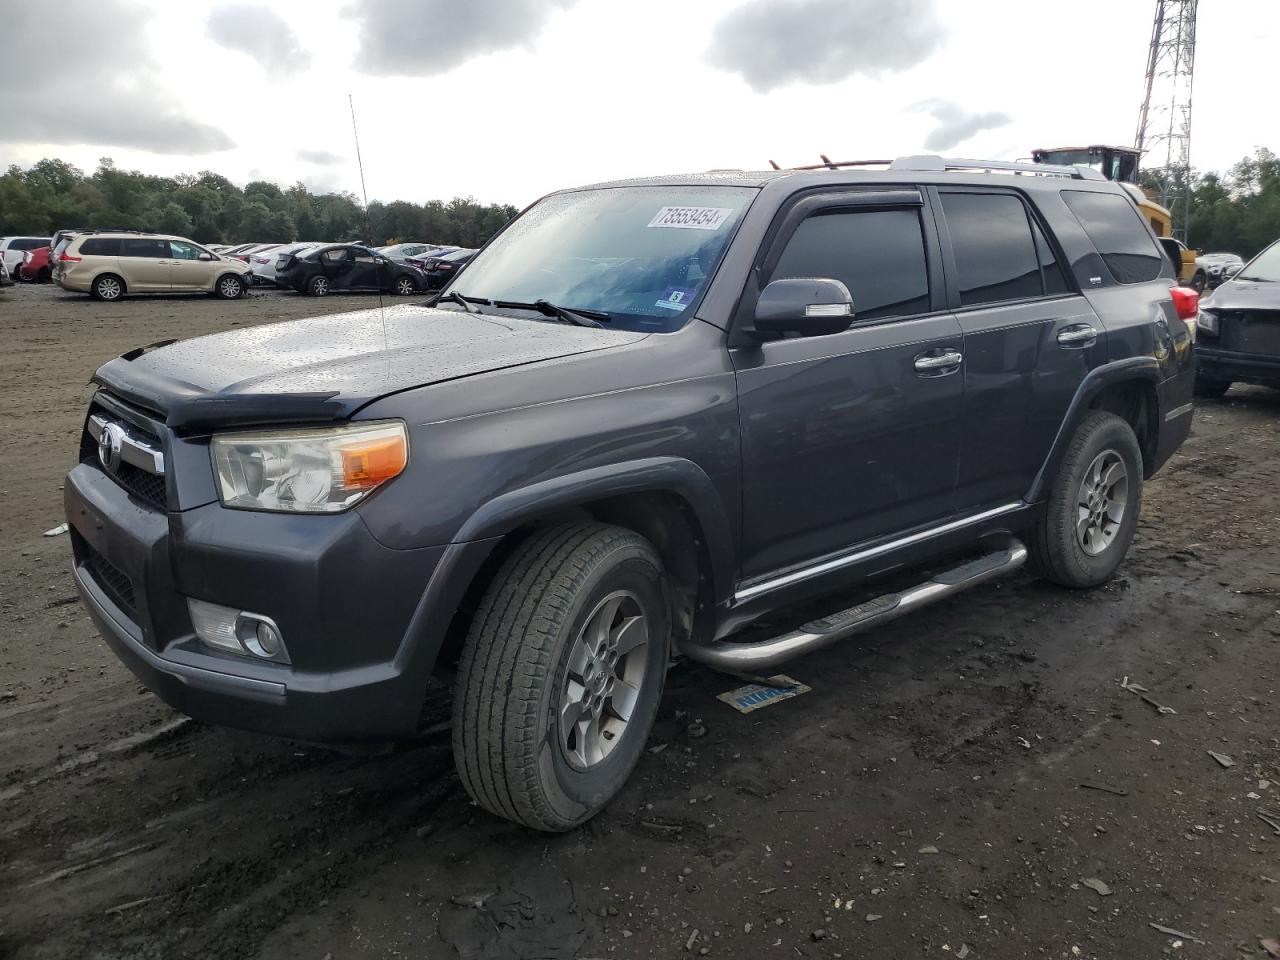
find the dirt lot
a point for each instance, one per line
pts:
(943, 791)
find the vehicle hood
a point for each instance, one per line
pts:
(1244, 295)
(325, 368)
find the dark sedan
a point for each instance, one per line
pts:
(1238, 328)
(347, 267)
(440, 270)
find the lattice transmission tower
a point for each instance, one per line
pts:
(1164, 124)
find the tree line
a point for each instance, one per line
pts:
(209, 208)
(1237, 212)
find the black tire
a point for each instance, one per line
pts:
(1058, 550)
(107, 288)
(229, 287)
(405, 287)
(512, 753)
(319, 287)
(1199, 281)
(44, 276)
(1211, 389)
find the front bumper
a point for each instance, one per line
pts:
(362, 623)
(1218, 364)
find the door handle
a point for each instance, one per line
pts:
(1078, 335)
(947, 361)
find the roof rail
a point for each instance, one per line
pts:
(934, 164)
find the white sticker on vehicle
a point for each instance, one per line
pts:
(691, 218)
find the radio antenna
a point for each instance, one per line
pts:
(368, 226)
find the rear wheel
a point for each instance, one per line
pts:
(107, 287)
(561, 675)
(405, 286)
(1211, 389)
(1093, 505)
(230, 287)
(318, 287)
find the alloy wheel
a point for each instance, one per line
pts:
(606, 670)
(404, 286)
(109, 289)
(1104, 494)
(230, 288)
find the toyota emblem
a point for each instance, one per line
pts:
(110, 441)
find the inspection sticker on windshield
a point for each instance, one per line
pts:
(675, 298)
(691, 218)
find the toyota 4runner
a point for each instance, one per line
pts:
(645, 416)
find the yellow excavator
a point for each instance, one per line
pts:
(1121, 165)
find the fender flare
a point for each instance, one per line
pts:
(674, 475)
(1098, 379)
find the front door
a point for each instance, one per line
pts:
(145, 264)
(186, 270)
(851, 437)
(364, 271)
(338, 264)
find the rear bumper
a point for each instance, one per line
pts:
(362, 623)
(1216, 364)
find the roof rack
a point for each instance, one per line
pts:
(934, 164)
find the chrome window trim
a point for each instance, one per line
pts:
(836, 563)
(133, 449)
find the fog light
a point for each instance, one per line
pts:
(237, 631)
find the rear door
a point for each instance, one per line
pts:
(144, 263)
(853, 436)
(338, 264)
(1029, 339)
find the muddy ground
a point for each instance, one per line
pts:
(943, 791)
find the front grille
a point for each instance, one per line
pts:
(1255, 332)
(112, 581)
(143, 485)
(146, 486)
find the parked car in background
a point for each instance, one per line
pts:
(420, 260)
(1238, 339)
(403, 251)
(1217, 267)
(242, 251)
(35, 266)
(264, 263)
(342, 267)
(5, 279)
(440, 270)
(113, 265)
(13, 248)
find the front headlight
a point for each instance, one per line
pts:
(308, 471)
(1207, 322)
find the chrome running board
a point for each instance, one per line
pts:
(739, 657)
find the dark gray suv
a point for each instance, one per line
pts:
(646, 415)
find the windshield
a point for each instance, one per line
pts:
(1265, 266)
(642, 255)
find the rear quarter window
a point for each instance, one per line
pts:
(100, 247)
(1119, 234)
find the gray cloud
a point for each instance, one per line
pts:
(261, 33)
(955, 125)
(421, 38)
(76, 88)
(321, 158)
(772, 43)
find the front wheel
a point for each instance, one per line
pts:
(1199, 281)
(1093, 505)
(561, 674)
(405, 287)
(230, 288)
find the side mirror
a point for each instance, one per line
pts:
(207, 256)
(809, 307)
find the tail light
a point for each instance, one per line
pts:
(1186, 301)
(27, 257)
(65, 257)
(444, 266)
(261, 259)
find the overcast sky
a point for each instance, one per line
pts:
(505, 100)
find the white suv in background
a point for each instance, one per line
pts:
(12, 250)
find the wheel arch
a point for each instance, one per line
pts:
(1126, 388)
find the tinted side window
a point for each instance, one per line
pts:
(995, 253)
(29, 243)
(100, 247)
(1055, 279)
(155, 249)
(878, 254)
(1117, 230)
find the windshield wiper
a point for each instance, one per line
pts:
(578, 317)
(467, 303)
